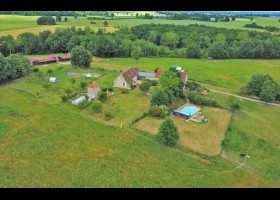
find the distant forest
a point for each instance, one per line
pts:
(150, 40)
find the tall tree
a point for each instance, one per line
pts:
(20, 65)
(254, 86)
(269, 91)
(160, 97)
(58, 18)
(3, 69)
(105, 23)
(169, 39)
(193, 51)
(168, 133)
(80, 57)
(170, 82)
(65, 19)
(136, 52)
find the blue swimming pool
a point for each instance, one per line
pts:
(189, 110)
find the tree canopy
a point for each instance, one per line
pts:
(46, 20)
(80, 57)
(168, 133)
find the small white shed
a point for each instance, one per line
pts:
(52, 79)
(88, 75)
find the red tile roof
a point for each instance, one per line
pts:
(32, 59)
(47, 60)
(53, 56)
(130, 73)
(158, 73)
(93, 85)
(183, 76)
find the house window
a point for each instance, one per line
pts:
(123, 84)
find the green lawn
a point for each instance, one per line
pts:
(15, 24)
(229, 75)
(49, 145)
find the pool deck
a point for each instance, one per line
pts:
(195, 117)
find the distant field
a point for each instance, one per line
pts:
(10, 23)
(228, 75)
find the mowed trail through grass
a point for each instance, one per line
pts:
(228, 75)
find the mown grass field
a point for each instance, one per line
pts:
(228, 75)
(50, 144)
(205, 138)
(15, 25)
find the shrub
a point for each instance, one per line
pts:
(83, 104)
(155, 111)
(36, 69)
(124, 91)
(102, 96)
(164, 111)
(73, 80)
(168, 133)
(154, 82)
(160, 97)
(64, 98)
(145, 86)
(96, 107)
(108, 116)
(49, 71)
(105, 89)
(235, 106)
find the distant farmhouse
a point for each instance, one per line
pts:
(122, 81)
(52, 59)
(92, 90)
(212, 19)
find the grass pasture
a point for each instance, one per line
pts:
(203, 138)
(229, 75)
(253, 130)
(48, 145)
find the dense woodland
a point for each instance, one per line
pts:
(149, 40)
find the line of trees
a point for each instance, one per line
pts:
(148, 40)
(268, 28)
(201, 17)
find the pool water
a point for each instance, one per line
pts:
(189, 110)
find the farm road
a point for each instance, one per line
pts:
(241, 97)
